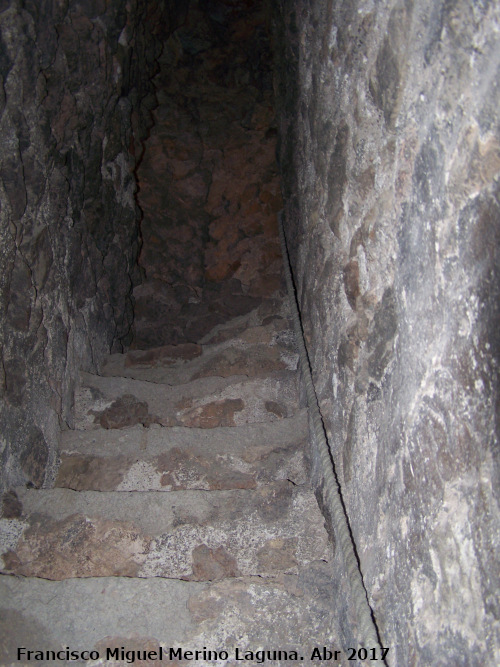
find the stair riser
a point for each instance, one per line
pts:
(157, 365)
(205, 403)
(244, 613)
(177, 470)
(205, 536)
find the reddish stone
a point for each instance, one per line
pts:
(88, 473)
(224, 268)
(351, 282)
(211, 415)
(227, 228)
(77, 547)
(125, 411)
(274, 200)
(278, 554)
(276, 409)
(34, 458)
(212, 564)
(12, 507)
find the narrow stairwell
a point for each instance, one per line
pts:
(181, 517)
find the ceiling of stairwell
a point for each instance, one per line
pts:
(208, 181)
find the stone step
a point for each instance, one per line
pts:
(293, 612)
(255, 352)
(171, 459)
(271, 311)
(159, 321)
(115, 402)
(193, 535)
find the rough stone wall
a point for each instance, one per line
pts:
(74, 84)
(208, 183)
(390, 155)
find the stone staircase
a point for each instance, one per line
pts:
(181, 516)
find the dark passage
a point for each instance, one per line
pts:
(208, 181)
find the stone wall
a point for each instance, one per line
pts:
(390, 159)
(208, 183)
(75, 83)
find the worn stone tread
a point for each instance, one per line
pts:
(252, 351)
(204, 403)
(165, 459)
(271, 310)
(198, 535)
(289, 612)
(234, 357)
